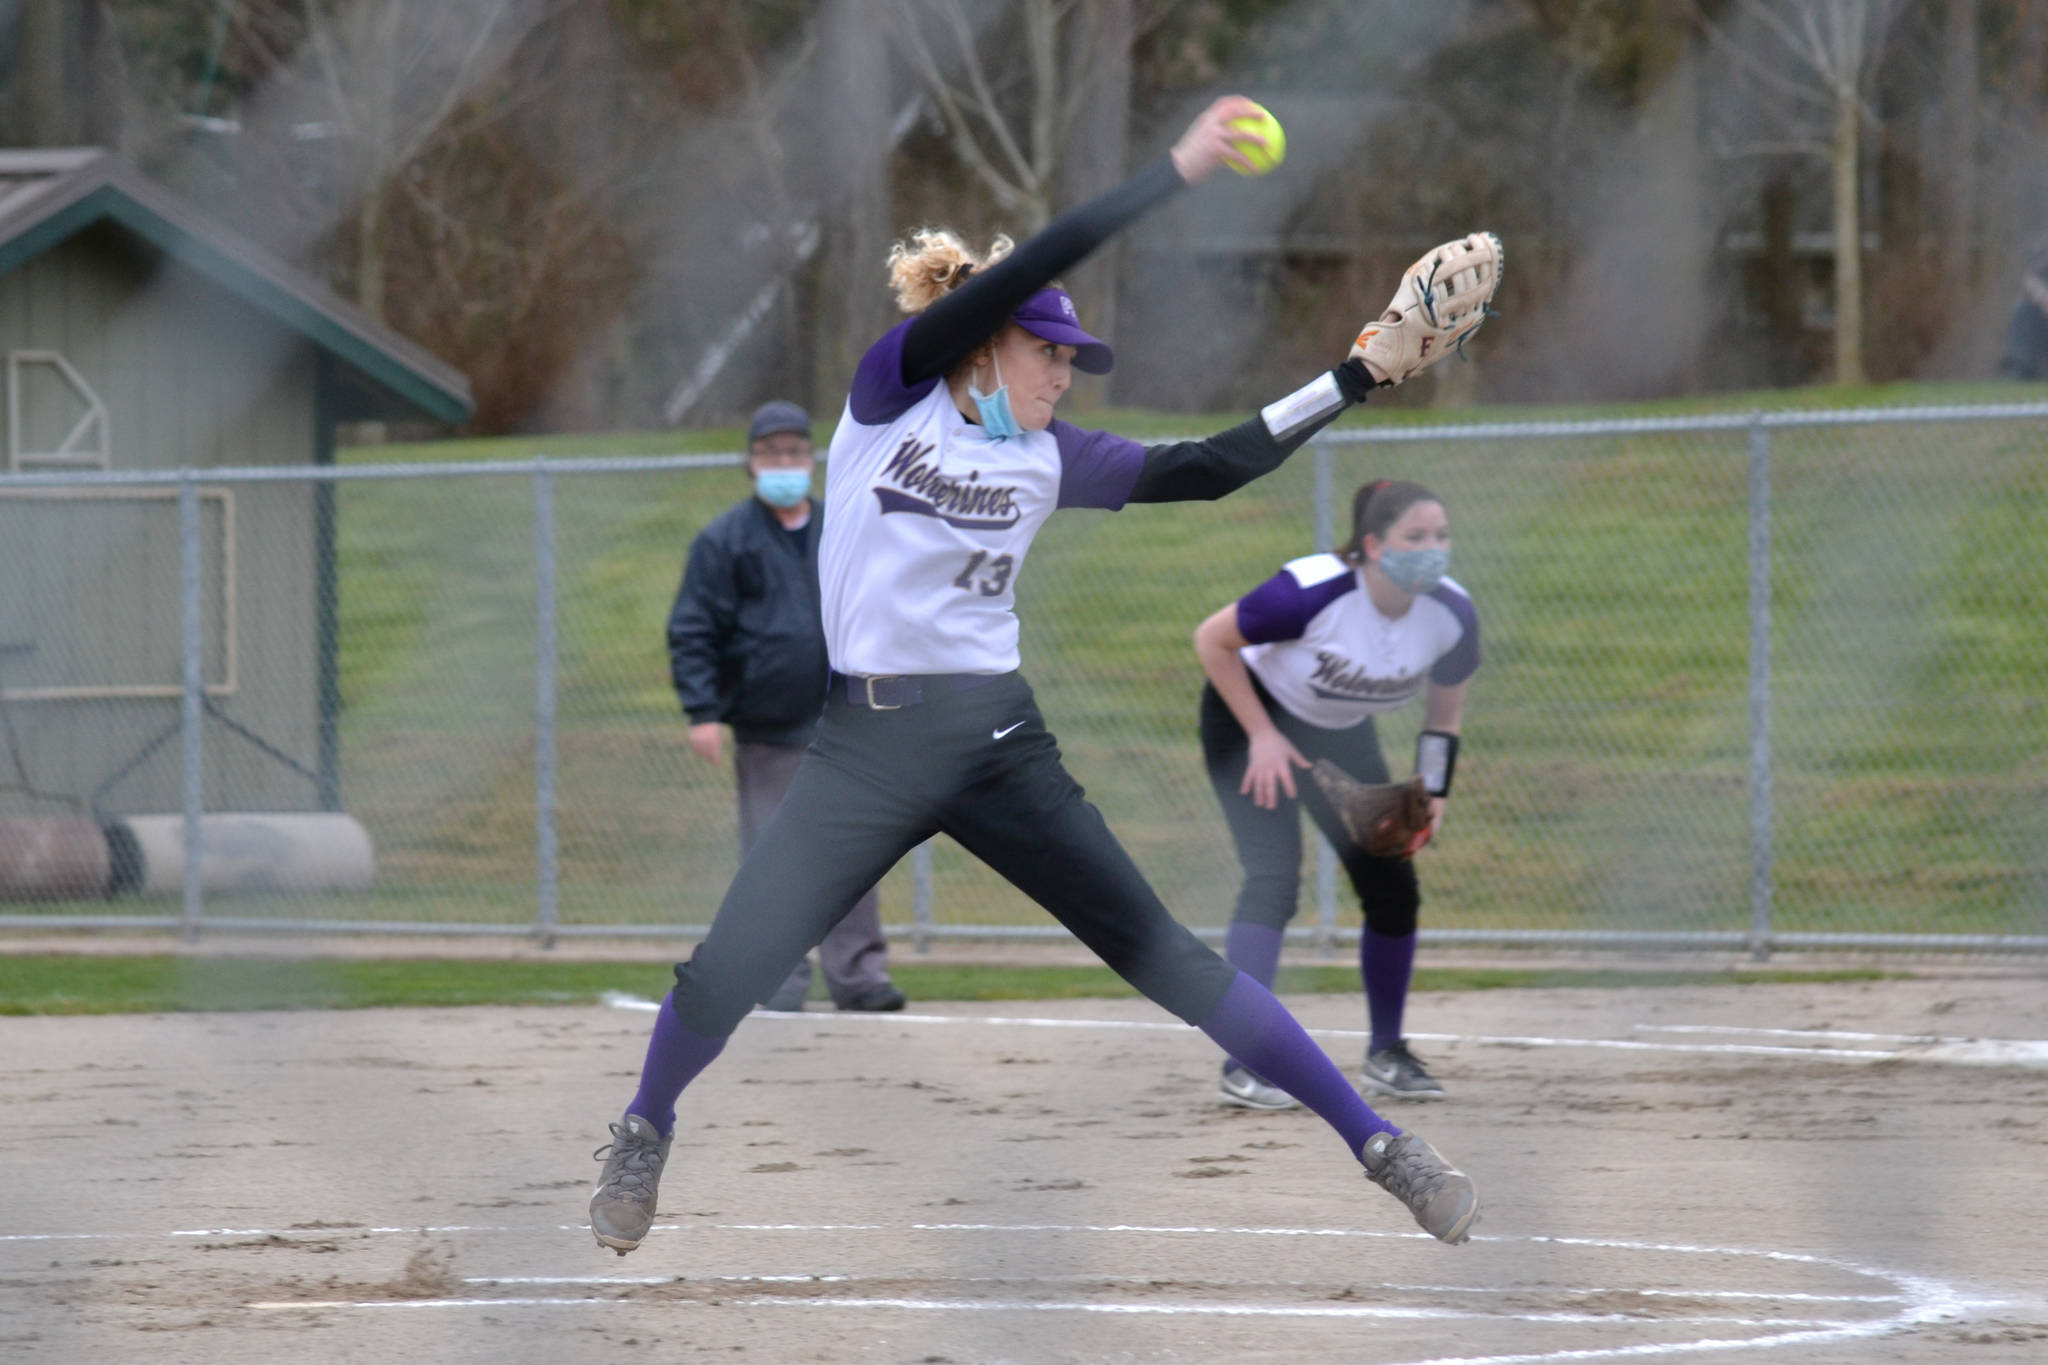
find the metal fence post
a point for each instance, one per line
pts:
(921, 895)
(1759, 690)
(548, 870)
(1326, 492)
(1326, 857)
(192, 713)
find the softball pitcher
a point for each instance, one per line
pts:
(1297, 669)
(946, 461)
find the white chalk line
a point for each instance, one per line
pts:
(1922, 1047)
(1384, 1287)
(307, 1305)
(1915, 1047)
(1187, 1309)
(1920, 1300)
(1843, 1035)
(433, 1229)
(315, 1233)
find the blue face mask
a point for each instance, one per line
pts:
(783, 488)
(996, 418)
(1415, 571)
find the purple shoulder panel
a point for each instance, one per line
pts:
(1280, 608)
(1096, 468)
(1461, 661)
(879, 394)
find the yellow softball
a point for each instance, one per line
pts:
(1264, 158)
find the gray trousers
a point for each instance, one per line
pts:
(854, 954)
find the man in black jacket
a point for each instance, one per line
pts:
(746, 649)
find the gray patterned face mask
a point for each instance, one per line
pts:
(1415, 571)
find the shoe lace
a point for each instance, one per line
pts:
(1425, 288)
(1410, 1175)
(635, 1163)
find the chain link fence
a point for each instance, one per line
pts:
(1771, 681)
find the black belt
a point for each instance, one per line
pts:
(896, 691)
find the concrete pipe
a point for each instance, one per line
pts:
(253, 852)
(53, 858)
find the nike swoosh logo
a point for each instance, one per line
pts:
(1006, 730)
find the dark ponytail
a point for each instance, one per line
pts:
(1377, 506)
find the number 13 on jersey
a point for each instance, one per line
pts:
(994, 574)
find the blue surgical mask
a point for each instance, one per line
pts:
(783, 487)
(1415, 571)
(996, 418)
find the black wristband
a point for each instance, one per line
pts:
(1436, 758)
(1355, 379)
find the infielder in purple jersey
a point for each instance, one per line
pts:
(946, 461)
(1297, 669)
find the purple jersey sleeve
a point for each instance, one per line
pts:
(1461, 660)
(1280, 608)
(1096, 468)
(879, 393)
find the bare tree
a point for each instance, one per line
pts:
(1099, 43)
(70, 70)
(47, 111)
(2009, 224)
(1959, 78)
(380, 80)
(1011, 121)
(1805, 65)
(789, 222)
(853, 133)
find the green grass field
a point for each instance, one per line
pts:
(1604, 783)
(37, 984)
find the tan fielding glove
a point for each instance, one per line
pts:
(1441, 301)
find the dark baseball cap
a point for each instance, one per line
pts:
(772, 419)
(1049, 315)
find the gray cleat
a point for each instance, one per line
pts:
(622, 1205)
(1398, 1072)
(1241, 1086)
(1441, 1196)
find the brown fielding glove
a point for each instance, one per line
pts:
(1386, 819)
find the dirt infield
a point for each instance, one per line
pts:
(1665, 1175)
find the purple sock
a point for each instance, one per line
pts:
(1253, 949)
(1250, 1024)
(1385, 962)
(674, 1057)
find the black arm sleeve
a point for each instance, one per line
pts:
(944, 334)
(1204, 470)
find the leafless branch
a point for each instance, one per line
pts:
(458, 85)
(977, 79)
(1749, 62)
(1011, 197)
(1041, 30)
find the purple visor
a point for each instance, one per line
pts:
(1049, 316)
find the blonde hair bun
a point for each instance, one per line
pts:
(934, 262)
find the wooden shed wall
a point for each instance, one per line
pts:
(193, 376)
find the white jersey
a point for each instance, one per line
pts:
(1324, 651)
(931, 521)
